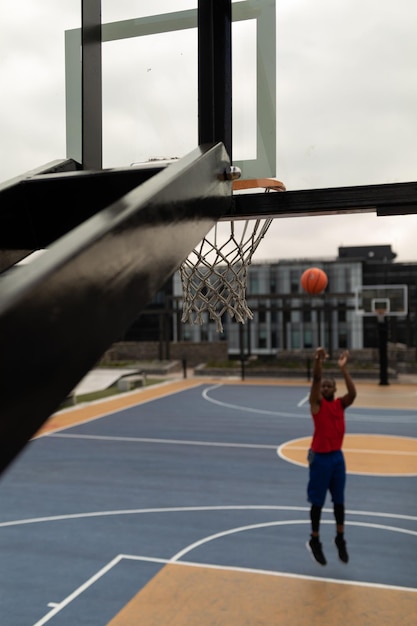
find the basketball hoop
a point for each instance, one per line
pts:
(214, 275)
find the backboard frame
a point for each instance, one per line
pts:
(262, 11)
(372, 300)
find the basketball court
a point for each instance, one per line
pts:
(186, 503)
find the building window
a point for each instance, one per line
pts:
(287, 315)
(342, 338)
(306, 315)
(262, 343)
(295, 339)
(295, 281)
(341, 314)
(348, 279)
(296, 315)
(308, 338)
(253, 283)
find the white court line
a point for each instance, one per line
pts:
(364, 450)
(285, 448)
(183, 442)
(304, 400)
(398, 415)
(190, 442)
(61, 605)
(139, 402)
(240, 529)
(176, 560)
(181, 509)
(239, 407)
(279, 448)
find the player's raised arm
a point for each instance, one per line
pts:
(315, 396)
(350, 396)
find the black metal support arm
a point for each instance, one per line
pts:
(386, 199)
(59, 313)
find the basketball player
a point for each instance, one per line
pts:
(327, 470)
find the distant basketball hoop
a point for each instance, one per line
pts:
(382, 302)
(214, 275)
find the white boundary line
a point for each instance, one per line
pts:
(57, 607)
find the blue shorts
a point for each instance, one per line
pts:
(327, 473)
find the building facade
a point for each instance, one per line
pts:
(286, 318)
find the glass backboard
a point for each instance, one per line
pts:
(150, 85)
(376, 300)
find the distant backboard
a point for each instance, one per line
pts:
(376, 300)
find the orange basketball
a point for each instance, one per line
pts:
(314, 280)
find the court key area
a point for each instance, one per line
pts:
(185, 504)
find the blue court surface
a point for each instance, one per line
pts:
(92, 515)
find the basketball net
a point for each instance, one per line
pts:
(214, 276)
(380, 314)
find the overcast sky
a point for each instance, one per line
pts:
(346, 103)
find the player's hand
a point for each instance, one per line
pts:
(321, 354)
(343, 358)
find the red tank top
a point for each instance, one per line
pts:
(329, 426)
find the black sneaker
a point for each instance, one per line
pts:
(314, 547)
(341, 548)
